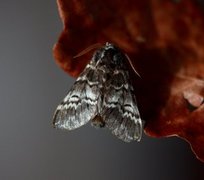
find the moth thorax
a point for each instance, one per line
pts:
(97, 122)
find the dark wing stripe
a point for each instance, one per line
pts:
(81, 103)
(120, 111)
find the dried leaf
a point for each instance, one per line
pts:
(164, 40)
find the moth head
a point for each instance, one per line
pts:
(109, 55)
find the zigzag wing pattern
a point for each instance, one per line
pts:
(82, 101)
(120, 111)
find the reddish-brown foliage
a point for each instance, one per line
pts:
(164, 40)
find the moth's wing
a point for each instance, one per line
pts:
(82, 101)
(120, 111)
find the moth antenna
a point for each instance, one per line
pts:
(94, 46)
(132, 65)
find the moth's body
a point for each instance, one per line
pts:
(104, 95)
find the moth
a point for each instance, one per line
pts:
(102, 94)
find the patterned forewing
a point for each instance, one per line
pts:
(120, 110)
(82, 101)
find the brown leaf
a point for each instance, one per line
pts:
(164, 40)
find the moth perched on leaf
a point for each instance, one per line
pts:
(102, 94)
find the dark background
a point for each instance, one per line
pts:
(31, 88)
